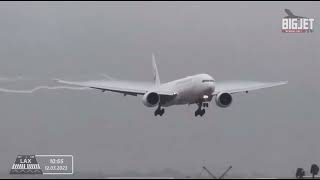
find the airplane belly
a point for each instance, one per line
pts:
(194, 94)
(186, 96)
(190, 93)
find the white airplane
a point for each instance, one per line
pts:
(197, 89)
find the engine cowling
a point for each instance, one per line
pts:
(223, 99)
(151, 99)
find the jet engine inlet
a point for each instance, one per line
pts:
(223, 100)
(151, 99)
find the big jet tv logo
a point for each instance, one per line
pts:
(296, 24)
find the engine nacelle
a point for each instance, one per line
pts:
(223, 99)
(151, 99)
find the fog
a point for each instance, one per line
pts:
(269, 132)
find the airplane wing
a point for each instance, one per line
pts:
(123, 87)
(244, 86)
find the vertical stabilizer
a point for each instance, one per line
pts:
(156, 77)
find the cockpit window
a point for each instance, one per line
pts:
(206, 80)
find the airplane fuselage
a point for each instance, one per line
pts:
(189, 90)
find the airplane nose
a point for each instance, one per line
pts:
(212, 86)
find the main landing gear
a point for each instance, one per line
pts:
(200, 111)
(159, 111)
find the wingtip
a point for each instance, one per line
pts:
(282, 83)
(56, 80)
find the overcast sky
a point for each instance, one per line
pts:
(271, 131)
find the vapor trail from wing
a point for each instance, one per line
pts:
(6, 79)
(42, 87)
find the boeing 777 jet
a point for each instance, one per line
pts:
(198, 89)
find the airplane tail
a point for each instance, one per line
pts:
(107, 77)
(156, 77)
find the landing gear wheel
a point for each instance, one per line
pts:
(159, 111)
(202, 112)
(196, 113)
